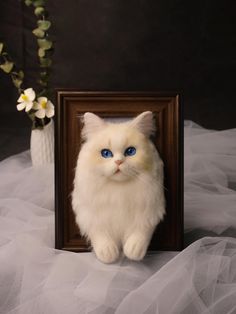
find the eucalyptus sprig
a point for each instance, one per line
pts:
(45, 44)
(8, 66)
(40, 111)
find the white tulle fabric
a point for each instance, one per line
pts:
(36, 278)
(209, 179)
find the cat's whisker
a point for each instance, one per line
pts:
(134, 173)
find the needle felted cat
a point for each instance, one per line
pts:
(118, 196)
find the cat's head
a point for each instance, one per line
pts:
(118, 151)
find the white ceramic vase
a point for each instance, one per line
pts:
(42, 145)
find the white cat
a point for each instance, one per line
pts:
(118, 195)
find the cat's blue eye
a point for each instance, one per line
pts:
(106, 153)
(130, 151)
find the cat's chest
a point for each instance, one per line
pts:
(118, 204)
(118, 195)
(113, 206)
(115, 209)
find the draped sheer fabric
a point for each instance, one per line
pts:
(209, 179)
(36, 278)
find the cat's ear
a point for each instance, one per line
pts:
(92, 124)
(144, 123)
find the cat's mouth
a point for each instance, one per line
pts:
(119, 175)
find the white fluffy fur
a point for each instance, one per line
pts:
(118, 211)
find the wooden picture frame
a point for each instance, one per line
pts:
(71, 105)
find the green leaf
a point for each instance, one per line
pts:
(21, 75)
(1, 47)
(39, 11)
(38, 3)
(17, 78)
(44, 24)
(7, 66)
(43, 92)
(17, 81)
(45, 44)
(44, 75)
(28, 2)
(43, 83)
(31, 115)
(44, 79)
(41, 52)
(45, 62)
(38, 32)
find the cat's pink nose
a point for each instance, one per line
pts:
(118, 162)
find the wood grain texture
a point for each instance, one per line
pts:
(70, 107)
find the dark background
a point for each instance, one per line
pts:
(162, 45)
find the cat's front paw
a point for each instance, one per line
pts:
(107, 252)
(135, 247)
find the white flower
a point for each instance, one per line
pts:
(44, 108)
(26, 100)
